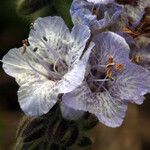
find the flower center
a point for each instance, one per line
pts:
(54, 71)
(101, 75)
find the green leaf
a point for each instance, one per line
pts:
(27, 7)
(32, 9)
(52, 132)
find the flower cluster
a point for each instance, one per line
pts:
(96, 67)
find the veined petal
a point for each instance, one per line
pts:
(139, 101)
(105, 16)
(50, 34)
(84, 16)
(109, 110)
(75, 76)
(15, 65)
(110, 44)
(132, 83)
(80, 35)
(37, 98)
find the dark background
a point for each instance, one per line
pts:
(13, 30)
(134, 134)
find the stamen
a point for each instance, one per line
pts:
(110, 65)
(24, 49)
(101, 80)
(54, 66)
(109, 73)
(43, 63)
(119, 67)
(111, 62)
(136, 59)
(102, 83)
(25, 44)
(32, 26)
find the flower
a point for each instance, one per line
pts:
(97, 14)
(134, 10)
(111, 82)
(52, 64)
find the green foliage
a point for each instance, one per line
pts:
(32, 9)
(53, 132)
(27, 7)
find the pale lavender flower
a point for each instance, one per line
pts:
(52, 64)
(95, 14)
(135, 11)
(111, 82)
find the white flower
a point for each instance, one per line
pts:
(54, 63)
(101, 1)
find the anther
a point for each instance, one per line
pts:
(32, 26)
(119, 67)
(136, 59)
(111, 62)
(109, 73)
(25, 44)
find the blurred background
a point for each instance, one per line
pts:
(134, 134)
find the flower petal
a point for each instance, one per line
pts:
(109, 110)
(106, 15)
(37, 98)
(136, 12)
(50, 34)
(139, 101)
(15, 64)
(132, 83)
(111, 44)
(75, 76)
(80, 35)
(34, 95)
